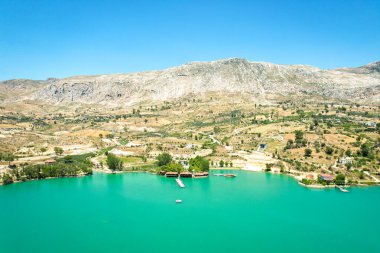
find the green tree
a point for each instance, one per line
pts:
(289, 144)
(308, 152)
(7, 179)
(221, 163)
(164, 159)
(8, 157)
(199, 163)
(114, 162)
(175, 167)
(43, 150)
(68, 159)
(329, 150)
(299, 135)
(58, 150)
(364, 150)
(340, 179)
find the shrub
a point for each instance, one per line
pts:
(329, 150)
(7, 179)
(308, 152)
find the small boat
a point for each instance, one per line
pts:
(178, 201)
(218, 175)
(230, 175)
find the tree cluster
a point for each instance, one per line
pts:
(199, 164)
(64, 167)
(114, 163)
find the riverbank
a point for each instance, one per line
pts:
(106, 171)
(47, 178)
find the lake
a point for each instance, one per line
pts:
(136, 212)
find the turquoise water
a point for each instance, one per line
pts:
(254, 212)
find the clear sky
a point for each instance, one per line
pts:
(59, 38)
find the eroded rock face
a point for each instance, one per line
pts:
(230, 75)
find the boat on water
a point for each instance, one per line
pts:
(178, 201)
(218, 175)
(230, 175)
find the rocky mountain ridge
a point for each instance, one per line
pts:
(235, 75)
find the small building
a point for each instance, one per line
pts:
(186, 174)
(327, 177)
(370, 124)
(185, 164)
(171, 174)
(345, 160)
(200, 174)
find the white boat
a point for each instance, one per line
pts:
(178, 201)
(219, 175)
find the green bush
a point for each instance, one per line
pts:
(7, 179)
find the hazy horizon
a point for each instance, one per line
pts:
(147, 70)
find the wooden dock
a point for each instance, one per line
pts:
(342, 189)
(180, 183)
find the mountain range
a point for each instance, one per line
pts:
(235, 76)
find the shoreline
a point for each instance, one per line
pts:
(46, 178)
(312, 186)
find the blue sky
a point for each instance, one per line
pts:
(52, 38)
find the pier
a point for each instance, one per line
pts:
(342, 189)
(180, 183)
